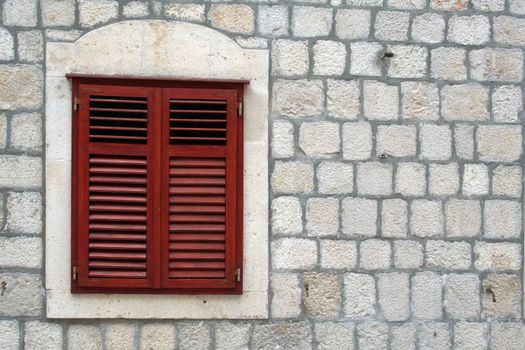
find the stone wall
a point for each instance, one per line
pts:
(396, 212)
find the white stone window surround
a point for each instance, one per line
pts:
(164, 49)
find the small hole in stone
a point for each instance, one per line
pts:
(204, 302)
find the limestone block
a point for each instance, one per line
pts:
(465, 102)
(232, 18)
(335, 178)
(273, 20)
(282, 335)
(185, 12)
(407, 4)
(9, 335)
(499, 143)
(194, 336)
(352, 23)
(158, 336)
(496, 65)
(411, 179)
(449, 5)
(507, 104)
(342, 99)
(396, 140)
(96, 12)
(517, 7)
(319, 139)
(329, 58)
(443, 179)
(365, 58)
(501, 295)
(372, 335)
(374, 178)
(426, 218)
(22, 13)
(289, 57)
(497, 256)
(22, 295)
(470, 335)
(294, 254)
(408, 254)
(469, 30)
(287, 216)
(334, 336)
(448, 255)
(135, 9)
(286, 295)
(462, 296)
(507, 336)
(375, 254)
(323, 295)
(322, 216)
(490, 5)
(403, 336)
(375, 91)
(282, 139)
(359, 217)
(428, 28)
(463, 218)
(393, 293)
(420, 101)
(426, 296)
(232, 335)
(436, 142)
(42, 336)
(338, 254)
(502, 219)
(435, 335)
(7, 49)
(509, 30)
(506, 181)
(119, 336)
(26, 132)
(464, 141)
(391, 25)
(360, 292)
(394, 217)
(292, 177)
(24, 212)
(22, 252)
(409, 61)
(21, 86)
(357, 140)
(57, 13)
(448, 63)
(311, 21)
(297, 98)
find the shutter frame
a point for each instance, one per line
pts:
(155, 285)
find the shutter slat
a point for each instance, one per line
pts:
(198, 172)
(202, 247)
(198, 163)
(182, 237)
(212, 209)
(197, 256)
(116, 237)
(119, 265)
(113, 198)
(117, 274)
(117, 180)
(197, 190)
(197, 200)
(197, 228)
(197, 218)
(116, 217)
(197, 274)
(197, 265)
(204, 181)
(117, 256)
(117, 246)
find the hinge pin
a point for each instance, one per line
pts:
(238, 274)
(75, 273)
(75, 103)
(240, 109)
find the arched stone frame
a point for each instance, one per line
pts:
(164, 49)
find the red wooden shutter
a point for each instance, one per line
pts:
(114, 167)
(199, 187)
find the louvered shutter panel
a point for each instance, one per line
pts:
(114, 171)
(199, 187)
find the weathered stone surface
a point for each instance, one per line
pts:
(63, 35)
(319, 139)
(462, 296)
(364, 2)
(475, 179)
(449, 5)
(84, 337)
(506, 181)
(372, 336)
(469, 30)
(352, 23)
(396, 140)
(273, 20)
(135, 9)
(24, 252)
(21, 86)
(9, 335)
(342, 99)
(391, 25)
(516, 6)
(96, 12)
(335, 178)
(296, 98)
(338, 254)
(185, 12)
(286, 295)
(489, 5)
(329, 57)
(335, 336)
(375, 254)
(22, 13)
(410, 179)
(42, 336)
(407, 4)
(357, 140)
(322, 216)
(26, 131)
(7, 48)
(119, 336)
(3, 131)
(282, 139)
(470, 335)
(365, 58)
(448, 63)
(507, 336)
(426, 296)
(374, 178)
(194, 336)
(499, 143)
(464, 141)
(375, 91)
(159, 336)
(30, 46)
(497, 256)
(292, 177)
(443, 179)
(428, 28)
(360, 294)
(465, 102)
(393, 292)
(434, 335)
(311, 21)
(233, 18)
(359, 217)
(394, 217)
(426, 218)
(289, 57)
(501, 296)
(57, 13)
(463, 218)
(322, 295)
(287, 216)
(24, 212)
(282, 335)
(436, 142)
(502, 219)
(403, 336)
(408, 254)
(294, 253)
(409, 61)
(509, 30)
(230, 335)
(507, 104)
(448, 255)
(496, 65)
(420, 101)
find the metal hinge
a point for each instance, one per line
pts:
(240, 109)
(238, 274)
(75, 273)
(75, 103)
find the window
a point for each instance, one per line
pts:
(157, 186)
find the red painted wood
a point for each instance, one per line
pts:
(151, 215)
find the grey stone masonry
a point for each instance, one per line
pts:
(395, 173)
